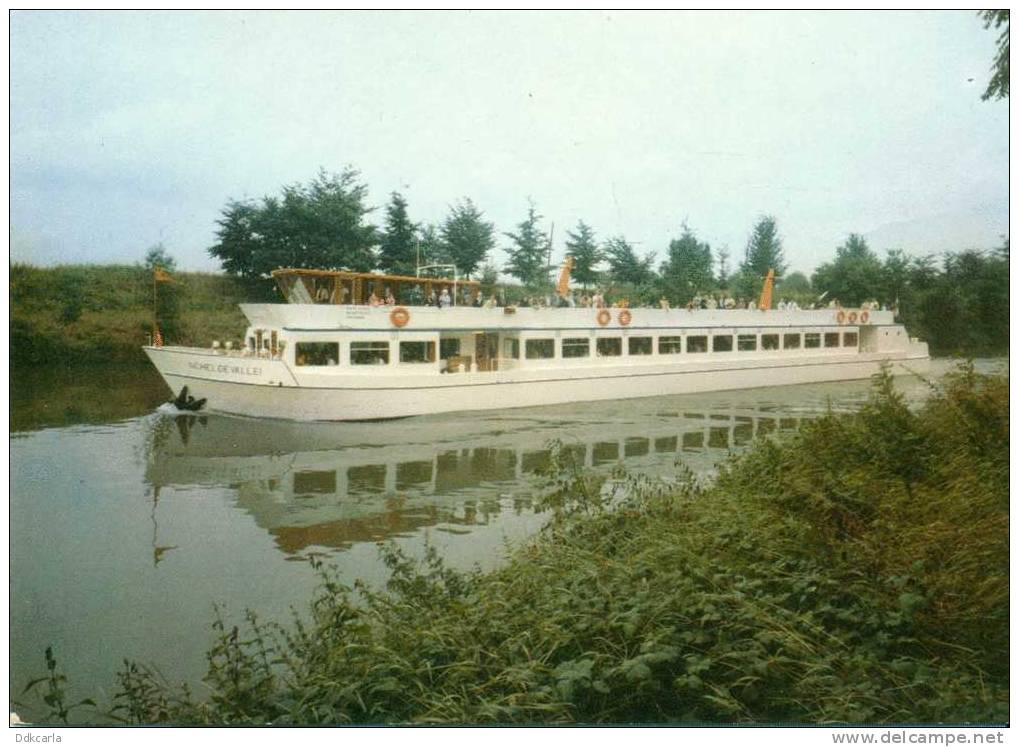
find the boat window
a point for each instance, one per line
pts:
(670, 345)
(639, 346)
(535, 349)
(831, 339)
(449, 347)
(721, 343)
(746, 343)
(317, 353)
(576, 347)
(850, 339)
(318, 481)
(610, 346)
(417, 351)
(511, 349)
(697, 344)
(369, 353)
(812, 340)
(769, 342)
(791, 341)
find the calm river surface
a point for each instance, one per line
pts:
(128, 525)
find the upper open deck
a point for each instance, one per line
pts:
(339, 287)
(323, 318)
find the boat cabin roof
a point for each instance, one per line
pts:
(304, 286)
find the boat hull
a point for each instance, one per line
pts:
(269, 389)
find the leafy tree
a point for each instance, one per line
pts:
(586, 253)
(924, 272)
(795, 287)
(398, 248)
(433, 248)
(980, 282)
(489, 274)
(318, 225)
(468, 239)
(624, 264)
(997, 88)
(763, 253)
(158, 256)
(894, 276)
(687, 271)
(854, 276)
(723, 269)
(528, 255)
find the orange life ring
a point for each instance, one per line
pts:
(864, 317)
(841, 317)
(604, 317)
(399, 316)
(852, 317)
(625, 317)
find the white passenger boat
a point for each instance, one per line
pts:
(339, 359)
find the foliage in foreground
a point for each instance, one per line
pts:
(854, 572)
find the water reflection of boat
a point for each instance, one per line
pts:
(333, 485)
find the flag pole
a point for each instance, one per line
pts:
(155, 313)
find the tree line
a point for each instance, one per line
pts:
(324, 224)
(957, 302)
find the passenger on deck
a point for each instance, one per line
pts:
(492, 302)
(444, 300)
(374, 300)
(322, 294)
(664, 303)
(598, 300)
(390, 299)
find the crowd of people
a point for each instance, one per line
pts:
(473, 296)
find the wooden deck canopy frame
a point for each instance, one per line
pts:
(343, 287)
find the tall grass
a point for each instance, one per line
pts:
(853, 572)
(103, 313)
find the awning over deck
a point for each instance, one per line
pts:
(343, 287)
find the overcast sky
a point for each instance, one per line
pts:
(129, 129)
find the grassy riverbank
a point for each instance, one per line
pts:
(855, 571)
(92, 314)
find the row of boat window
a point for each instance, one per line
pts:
(580, 347)
(368, 353)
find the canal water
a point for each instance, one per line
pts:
(128, 525)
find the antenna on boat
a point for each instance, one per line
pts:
(548, 261)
